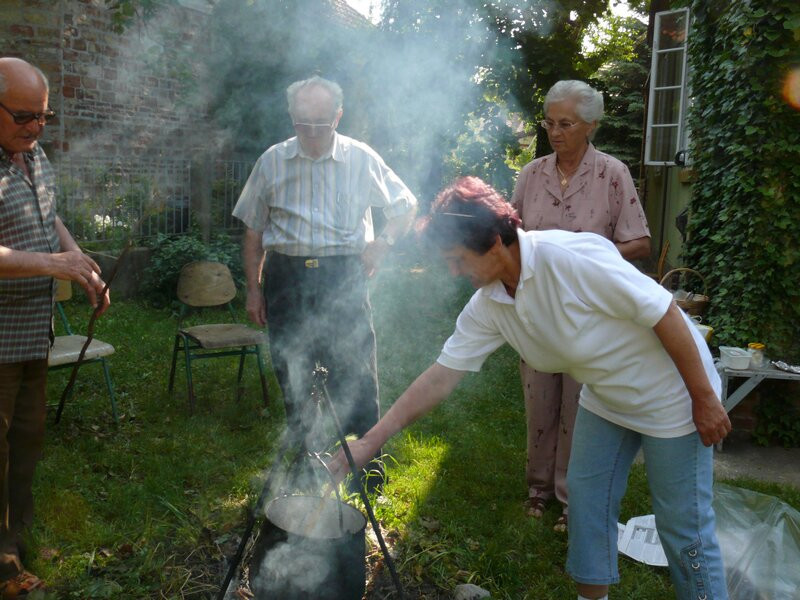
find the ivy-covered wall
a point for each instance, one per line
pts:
(744, 227)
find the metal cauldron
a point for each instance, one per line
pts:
(309, 548)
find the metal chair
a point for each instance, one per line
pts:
(205, 284)
(67, 348)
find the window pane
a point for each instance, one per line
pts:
(663, 143)
(672, 29)
(666, 107)
(669, 68)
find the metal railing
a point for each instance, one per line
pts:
(108, 200)
(229, 177)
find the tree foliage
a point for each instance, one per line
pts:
(123, 12)
(744, 227)
(433, 88)
(622, 77)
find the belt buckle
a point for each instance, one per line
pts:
(311, 263)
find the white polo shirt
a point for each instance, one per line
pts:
(582, 309)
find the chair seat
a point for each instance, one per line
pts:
(67, 348)
(225, 335)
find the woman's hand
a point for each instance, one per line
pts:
(708, 414)
(711, 420)
(362, 452)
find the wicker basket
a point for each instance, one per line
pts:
(693, 303)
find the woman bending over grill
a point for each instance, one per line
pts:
(569, 303)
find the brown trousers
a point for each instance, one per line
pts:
(22, 419)
(551, 403)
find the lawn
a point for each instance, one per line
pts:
(149, 508)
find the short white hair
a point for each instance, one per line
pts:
(333, 88)
(588, 101)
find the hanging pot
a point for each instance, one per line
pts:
(309, 548)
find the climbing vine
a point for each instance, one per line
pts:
(744, 227)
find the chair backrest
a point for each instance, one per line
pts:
(63, 290)
(205, 283)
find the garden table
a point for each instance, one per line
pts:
(754, 376)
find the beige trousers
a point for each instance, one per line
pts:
(22, 419)
(551, 403)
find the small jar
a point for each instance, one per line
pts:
(756, 354)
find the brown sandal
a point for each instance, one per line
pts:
(534, 507)
(561, 523)
(20, 586)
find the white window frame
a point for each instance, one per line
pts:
(682, 137)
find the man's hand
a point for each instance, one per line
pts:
(94, 290)
(372, 256)
(711, 420)
(256, 307)
(73, 265)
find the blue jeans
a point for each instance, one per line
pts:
(680, 477)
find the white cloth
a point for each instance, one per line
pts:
(581, 309)
(320, 207)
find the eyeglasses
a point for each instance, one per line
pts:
(313, 129)
(562, 125)
(24, 117)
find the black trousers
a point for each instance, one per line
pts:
(318, 313)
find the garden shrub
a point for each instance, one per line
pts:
(744, 225)
(744, 220)
(172, 252)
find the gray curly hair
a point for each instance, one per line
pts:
(588, 101)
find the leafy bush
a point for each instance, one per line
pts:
(744, 221)
(778, 419)
(172, 252)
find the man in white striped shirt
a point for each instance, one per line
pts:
(307, 207)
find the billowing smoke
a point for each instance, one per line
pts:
(408, 93)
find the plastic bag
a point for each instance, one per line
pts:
(760, 540)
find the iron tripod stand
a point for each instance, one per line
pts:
(288, 440)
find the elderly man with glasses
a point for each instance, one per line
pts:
(307, 207)
(35, 247)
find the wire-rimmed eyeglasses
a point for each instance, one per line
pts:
(25, 117)
(313, 129)
(562, 125)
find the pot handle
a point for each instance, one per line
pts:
(335, 489)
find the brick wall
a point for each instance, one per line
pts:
(115, 94)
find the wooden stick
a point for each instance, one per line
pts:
(90, 333)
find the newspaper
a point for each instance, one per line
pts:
(638, 539)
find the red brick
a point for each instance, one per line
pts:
(72, 81)
(21, 30)
(68, 91)
(48, 34)
(79, 45)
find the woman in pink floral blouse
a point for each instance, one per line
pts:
(576, 188)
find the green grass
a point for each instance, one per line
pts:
(148, 509)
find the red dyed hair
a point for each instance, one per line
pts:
(470, 213)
